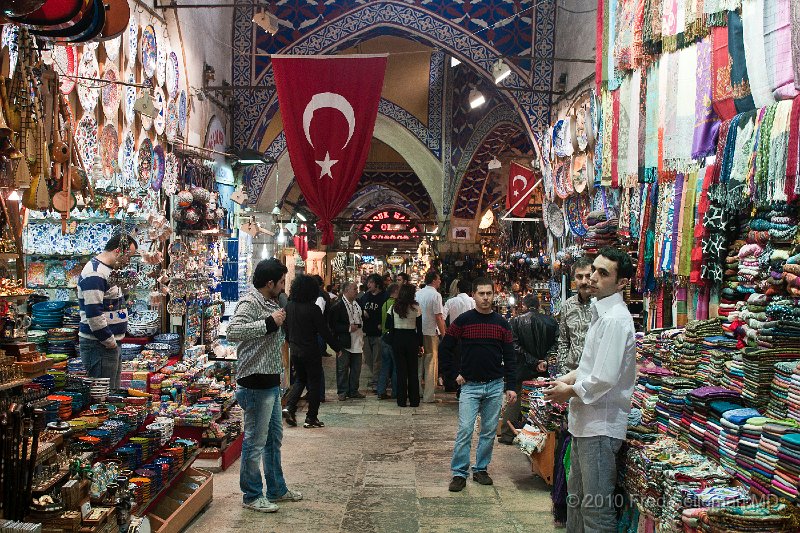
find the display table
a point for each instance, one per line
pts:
(543, 463)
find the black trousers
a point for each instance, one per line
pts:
(308, 375)
(405, 349)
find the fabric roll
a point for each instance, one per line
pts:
(778, 49)
(721, 88)
(753, 30)
(742, 96)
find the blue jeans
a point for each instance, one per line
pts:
(348, 373)
(590, 485)
(263, 432)
(486, 399)
(387, 369)
(101, 362)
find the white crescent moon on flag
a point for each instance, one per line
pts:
(520, 177)
(334, 101)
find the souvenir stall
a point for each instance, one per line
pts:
(696, 153)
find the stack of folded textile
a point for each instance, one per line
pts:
(791, 271)
(697, 413)
(757, 518)
(779, 393)
(759, 370)
(602, 231)
(711, 438)
(767, 459)
(746, 452)
(645, 393)
(734, 373)
(732, 422)
(730, 293)
(793, 398)
(669, 408)
(786, 480)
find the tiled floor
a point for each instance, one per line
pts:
(376, 467)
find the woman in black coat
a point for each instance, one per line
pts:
(404, 321)
(303, 324)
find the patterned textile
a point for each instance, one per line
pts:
(793, 156)
(687, 89)
(753, 28)
(670, 115)
(598, 45)
(651, 124)
(706, 123)
(778, 48)
(669, 24)
(742, 97)
(779, 147)
(651, 26)
(608, 125)
(687, 230)
(631, 168)
(721, 89)
(615, 111)
(794, 12)
(623, 42)
(698, 258)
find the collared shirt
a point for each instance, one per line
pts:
(355, 315)
(457, 305)
(259, 350)
(607, 372)
(572, 326)
(430, 301)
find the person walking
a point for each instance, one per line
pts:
(388, 371)
(599, 393)
(324, 303)
(430, 302)
(574, 318)
(346, 321)
(104, 316)
(371, 303)
(404, 322)
(256, 326)
(534, 335)
(453, 308)
(303, 325)
(487, 369)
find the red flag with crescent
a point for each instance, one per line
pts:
(520, 185)
(328, 105)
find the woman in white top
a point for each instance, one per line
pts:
(404, 320)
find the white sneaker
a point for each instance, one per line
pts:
(262, 505)
(290, 496)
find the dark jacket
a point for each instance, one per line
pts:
(302, 325)
(371, 304)
(339, 322)
(534, 335)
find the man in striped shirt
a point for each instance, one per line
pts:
(104, 317)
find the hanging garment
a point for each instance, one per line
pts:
(742, 96)
(633, 106)
(685, 120)
(707, 121)
(721, 89)
(623, 31)
(651, 124)
(753, 29)
(794, 12)
(778, 48)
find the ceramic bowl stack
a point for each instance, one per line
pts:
(39, 338)
(164, 426)
(47, 315)
(143, 323)
(72, 316)
(171, 339)
(62, 341)
(75, 367)
(130, 351)
(159, 348)
(98, 388)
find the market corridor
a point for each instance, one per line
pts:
(378, 468)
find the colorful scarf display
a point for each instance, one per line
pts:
(685, 108)
(742, 97)
(721, 89)
(624, 128)
(631, 168)
(651, 27)
(707, 121)
(794, 15)
(651, 124)
(753, 29)
(778, 49)
(624, 31)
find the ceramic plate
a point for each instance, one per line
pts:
(555, 220)
(173, 75)
(182, 114)
(144, 161)
(65, 66)
(572, 206)
(147, 122)
(558, 179)
(112, 47)
(88, 91)
(160, 102)
(112, 93)
(149, 51)
(172, 120)
(170, 183)
(130, 100)
(132, 35)
(567, 185)
(109, 148)
(161, 61)
(9, 40)
(86, 139)
(159, 163)
(127, 159)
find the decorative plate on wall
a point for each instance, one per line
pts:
(173, 75)
(144, 162)
(572, 206)
(109, 148)
(159, 167)
(182, 114)
(172, 120)
(112, 47)
(149, 51)
(555, 220)
(88, 91)
(161, 61)
(170, 183)
(112, 93)
(86, 139)
(558, 179)
(65, 63)
(133, 36)
(160, 103)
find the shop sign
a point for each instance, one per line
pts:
(395, 260)
(216, 140)
(389, 225)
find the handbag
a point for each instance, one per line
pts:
(388, 336)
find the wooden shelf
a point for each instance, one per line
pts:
(16, 297)
(13, 384)
(140, 510)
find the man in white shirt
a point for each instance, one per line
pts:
(346, 321)
(599, 393)
(460, 303)
(430, 302)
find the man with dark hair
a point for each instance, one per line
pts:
(453, 308)
(104, 317)
(430, 303)
(599, 393)
(574, 318)
(371, 303)
(534, 335)
(487, 368)
(403, 278)
(347, 322)
(256, 326)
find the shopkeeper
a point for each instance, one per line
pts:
(599, 394)
(104, 317)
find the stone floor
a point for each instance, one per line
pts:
(376, 467)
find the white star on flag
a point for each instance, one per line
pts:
(325, 165)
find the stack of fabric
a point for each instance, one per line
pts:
(602, 231)
(732, 422)
(746, 451)
(779, 393)
(711, 438)
(793, 397)
(669, 407)
(791, 271)
(767, 460)
(697, 413)
(731, 292)
(645, 393)
(734, 373)
(759, 371)
(786, 481)
(760, 518)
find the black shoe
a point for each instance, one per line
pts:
(457, 484)
(313, 424)
(384, 396)
(357, 395)
(505, 440)
(290, 418)
(482, 478)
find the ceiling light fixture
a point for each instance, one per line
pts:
(301, 217)
(14, 196)
(276, 211)
(266, 21)
(454, 61)
(495, 163)
(500, 71)
(476, 98)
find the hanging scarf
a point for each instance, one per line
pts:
(687, 226)
(667, 91)
(623, 129)
(792, 167)
(696, 27)
(599, 142)
(599, 56)
(633, 106)
(762, 157)
(613, 80)
(641, 137)
(779, 152)
(706, 123)
(721, 90)
(651, 124)
(637, 50)
(751, 164)
(742, 97)
(685, 108)
(717, 10)
(663, 227)
(623, 30)
(778, 47)
(680, 190)
(737, 182)
(669, 24)
(698, 259)
(753, 30)
(608, 126)
(651, 27)
(636, 211)
(794, 12)
(729, 153)
(615, 111)
(722, 142)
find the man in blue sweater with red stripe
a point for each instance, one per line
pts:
(487, 369)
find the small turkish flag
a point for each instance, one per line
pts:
(520, 185)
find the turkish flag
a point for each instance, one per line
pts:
(328, 105)
(520, 185)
